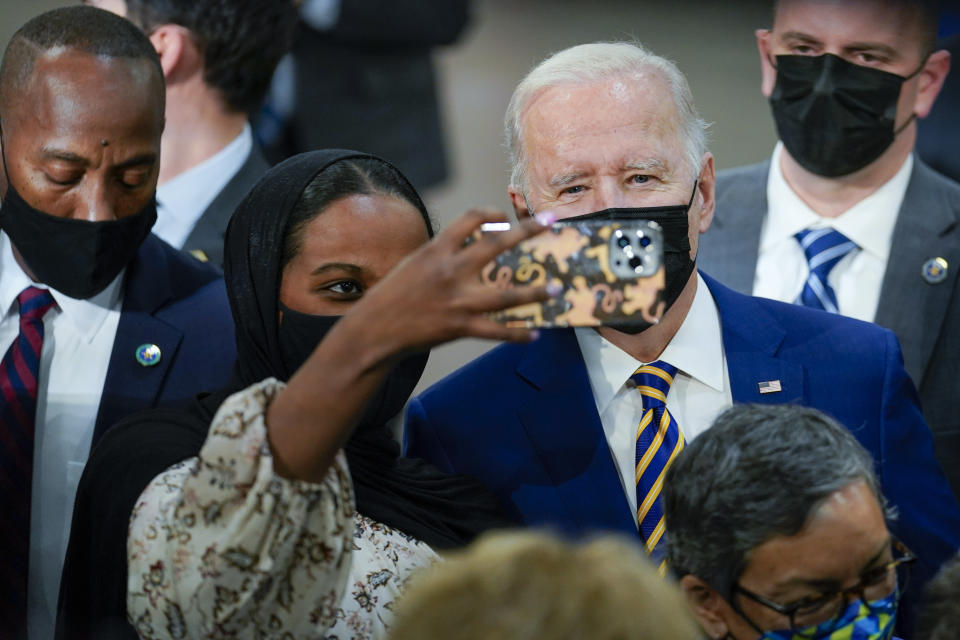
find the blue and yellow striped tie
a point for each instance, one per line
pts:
(659, 440)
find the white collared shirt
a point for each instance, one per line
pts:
(699, 393)
(781, 265)
(78, 340)
(182, 200)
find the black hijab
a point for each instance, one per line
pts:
(443, 510)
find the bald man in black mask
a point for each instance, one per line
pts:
(98, 318)
(845, 217)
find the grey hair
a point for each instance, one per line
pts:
(759, 472)
(590, 63)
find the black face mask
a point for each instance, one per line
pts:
(676, 245)
(76, 257)
(833, 116)
(299, 335)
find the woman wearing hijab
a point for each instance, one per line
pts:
(255, 513)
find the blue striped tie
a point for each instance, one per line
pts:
(824, 248)
(18, 386)
(659, 440)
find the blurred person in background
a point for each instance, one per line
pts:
(844, 216)
(531, 585)
(217, 58)
(777, 530)
(361, 76)
(940, 618)
(98, 317)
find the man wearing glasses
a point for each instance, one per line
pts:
(777, 530)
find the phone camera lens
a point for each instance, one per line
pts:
(623, 242)
(635, 262)
(645, 242)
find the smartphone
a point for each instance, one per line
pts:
(611, 272)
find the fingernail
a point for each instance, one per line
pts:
(554, 289)
(546, 218)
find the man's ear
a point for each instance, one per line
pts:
(706, 605)
(519, 202)
(930, 81)
(706, 190)
(179, 55)
(768, 73)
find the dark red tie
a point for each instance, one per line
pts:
(18, 410)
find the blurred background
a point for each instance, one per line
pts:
(712, 42)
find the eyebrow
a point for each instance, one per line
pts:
(69, 156)
(830, 583)
(338, 266)
(853, 46)
(561, 179)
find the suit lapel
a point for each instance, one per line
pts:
(564, 429)
(751, 341)
(732, 243)
(909, 305)
(130, 386)
(208, 233)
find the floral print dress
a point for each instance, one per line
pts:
(221, 546)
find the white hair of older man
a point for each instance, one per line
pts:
(598, 62)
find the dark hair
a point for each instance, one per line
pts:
(927, 13)
(758, 472)
(365, 176)
(83, 28)
(242, 40)
(940, 617)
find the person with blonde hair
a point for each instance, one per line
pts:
(523, 585)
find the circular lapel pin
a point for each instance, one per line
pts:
(935, 270)
(148, 355)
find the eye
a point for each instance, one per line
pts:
(802, 50)
(345, 288)
(574, 190)
(134, 178)
(639, 179)
(811, 604)
(867, 58)
(63, 177)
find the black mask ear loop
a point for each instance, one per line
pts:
(913, 116)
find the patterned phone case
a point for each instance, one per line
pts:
(604, 282)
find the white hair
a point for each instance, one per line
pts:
(597, 62)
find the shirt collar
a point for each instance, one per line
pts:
(696, 350)
(86, 316)
(869, 223)
(188, 194)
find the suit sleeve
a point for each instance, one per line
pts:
(929, 516)
(421, 440)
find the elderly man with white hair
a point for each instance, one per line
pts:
(575, 431)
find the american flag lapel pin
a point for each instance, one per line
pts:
(769, 386)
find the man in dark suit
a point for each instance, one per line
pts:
(217, 59)
(361, 76)
(560, 428)
(885, 227)
(98, 318)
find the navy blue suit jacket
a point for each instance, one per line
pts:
(174, 301)
(523, 420)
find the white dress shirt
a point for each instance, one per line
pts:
(699, 393)
(78, 339)
(182, 200)
(781, 265)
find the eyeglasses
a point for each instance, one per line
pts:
(875, 584)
